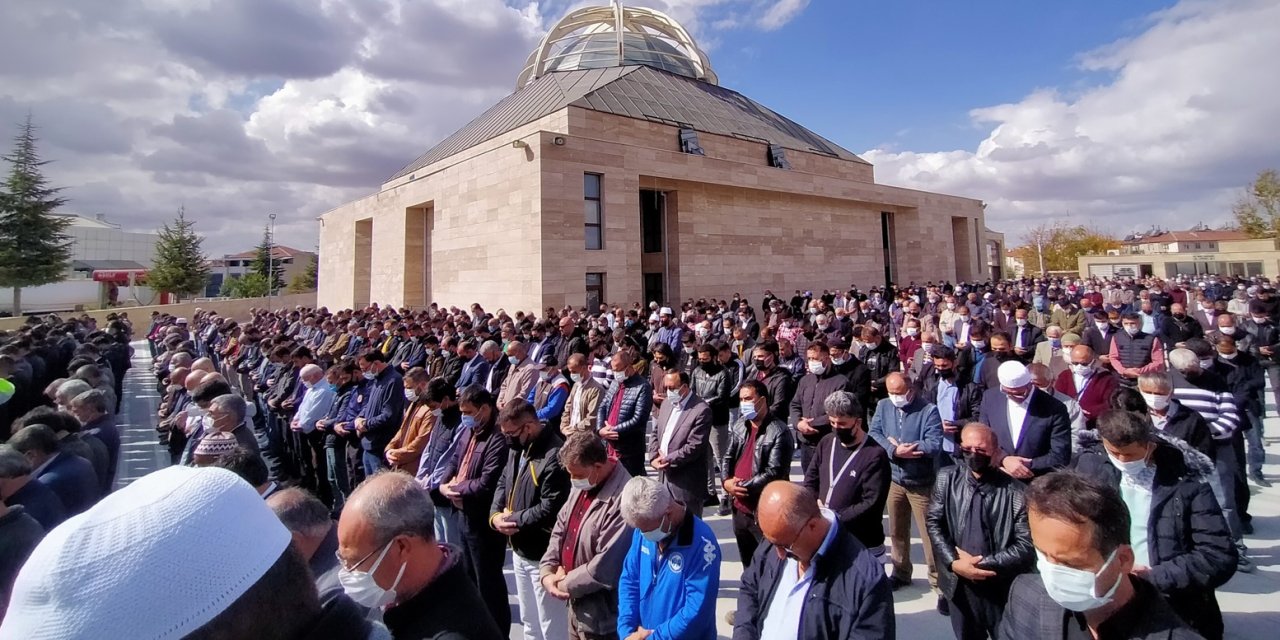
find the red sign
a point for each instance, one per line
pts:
(119, 276)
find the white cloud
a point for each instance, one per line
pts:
(782, 12)
(1185, 119)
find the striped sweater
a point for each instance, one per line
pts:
(1207, 394)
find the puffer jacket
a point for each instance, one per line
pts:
(772, 461)
(1190, 548)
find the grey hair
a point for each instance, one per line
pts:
(310, 371)
(1053, 327)
(644, 499)
(489, 346)
(12, 463)
(1159, 380)
(180, 359)
(300, 512)
(233, 404)
(842, 404)
(1184, 360)
(71, 389)
(402, 507)
(95, 399)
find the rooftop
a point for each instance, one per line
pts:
(1191, 235)
(278, 251)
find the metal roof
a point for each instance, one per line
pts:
(94, 265)
(635, 92)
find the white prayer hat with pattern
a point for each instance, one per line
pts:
(1013, 375)
(157, 559)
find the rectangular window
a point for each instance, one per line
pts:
(595, 291)
(594, 211)
(652, 204)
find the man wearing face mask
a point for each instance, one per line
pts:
(382, 410)
(712, 382)
(475, 472)
(1179, 327)
(977, 523)
(850, 472)
(807, 416)
(672, 570)
(1085, 587)
(1068, 316)
(1133, 352)
(1087, 383)
(759, 451)
(1178, 535)
(909, 428)
(1026, 336)
(880, 359)
(404, 451)
(584, 397)
(550, 393)
(521, 376)
(812, 580)
(391, 561)
(679, 450)
(531, 490)
(957, 398)
(1033, 428)
(765, 368)
(624, 410)
(590, 539)
(1101, 333)
(1168, 416)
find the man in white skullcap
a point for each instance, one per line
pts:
(1033, 428)
(669, 331)
(180, 553)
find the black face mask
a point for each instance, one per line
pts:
(845, 436)
(1003, 356)
(977, 462)
(762, 364)
(946, 373)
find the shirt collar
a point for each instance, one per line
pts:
(830, 517)
(35, 473)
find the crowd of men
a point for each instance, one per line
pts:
(1075, 454)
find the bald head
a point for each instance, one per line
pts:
(203, 364)
(896, 384)
(979, 437)
(1082, 354)
(784, 507)
(194, 379)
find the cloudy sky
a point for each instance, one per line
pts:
(1119, 114)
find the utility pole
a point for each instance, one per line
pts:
(271, 263)
(1040, 249)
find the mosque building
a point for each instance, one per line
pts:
(620, 171)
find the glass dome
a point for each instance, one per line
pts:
(600, 37)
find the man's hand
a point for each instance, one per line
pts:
(393, 456)
(609, 433)
(294, 426)
(505, 524)
(966, 567)
(1017, 466)
(639, 634)
(734, 488)
(341, 428)
(805, 427)
(1266, 351)
(1104, 359)
(1141, 572)
(320, 425)
(554, 582)
(949, 426)
(660, 463)
(908, 451)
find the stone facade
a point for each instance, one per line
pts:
(502, 223)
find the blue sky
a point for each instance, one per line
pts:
(867, 74)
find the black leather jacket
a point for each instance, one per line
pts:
(1006, 513)
(772, 461)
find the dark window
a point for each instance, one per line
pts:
(778, 157)
(689, 142)
(595, 290)
(594, 211)
(652, 205)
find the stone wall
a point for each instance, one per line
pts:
(237, 309)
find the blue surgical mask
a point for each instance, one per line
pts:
(468, 422)
(748, 410)
(513, 360)
(656, 535)
(369, 375)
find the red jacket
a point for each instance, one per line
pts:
(1096, 394)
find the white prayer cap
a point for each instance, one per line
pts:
(665, 311)
(1013, 375)
(157, 559)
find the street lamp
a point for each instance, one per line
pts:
(271, 263)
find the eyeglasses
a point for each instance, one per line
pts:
(352, 567)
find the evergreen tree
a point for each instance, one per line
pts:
(180, 265)
(249, 285)
(272, 271)
(306, 281)
(34, 248)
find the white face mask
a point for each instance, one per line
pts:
(1228, 356)
(1132, 331)
(364, 590)
(673, 395)
(912, 332)
(576, 377)
(899, 401)
(1206, 363)
(1227, 331)
(1130, 468)
(817, 367)
(1082, 370)
(1155, 401)
(1075, 589)
(582, 484)
(619, 375)
(1022, 322)
(410, 395)
(978, 344)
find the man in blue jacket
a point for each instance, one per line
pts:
(671, 573)
(382, 409)
(909, 428)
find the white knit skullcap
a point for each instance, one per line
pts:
(665, 311)
(1013, 375)
(159, 558)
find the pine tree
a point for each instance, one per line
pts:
(180, 265)
(34, 248)
(271, 271)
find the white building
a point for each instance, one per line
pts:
(105, 263)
